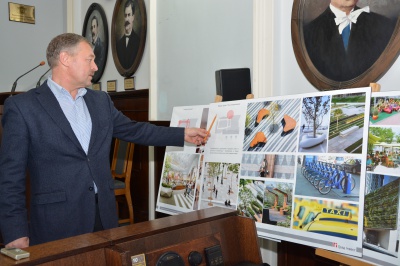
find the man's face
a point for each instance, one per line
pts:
(129, 17)
(95, 30)
(346, 4)
(82, 66)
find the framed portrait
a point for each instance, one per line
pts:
(335, 54)
(128, 35)
(95, 29)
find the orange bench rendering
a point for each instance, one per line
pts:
(263, 113)
(288, 125)
(258, 139)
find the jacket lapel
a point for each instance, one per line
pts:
(53, 109)
(99, 120)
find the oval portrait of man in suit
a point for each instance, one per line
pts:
(128, 35)
(95, 29)
(345, 43)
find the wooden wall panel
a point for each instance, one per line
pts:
(135, 105)
(183, 233)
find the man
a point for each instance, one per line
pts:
(345, 41)
(128, 45)
(61, 133)
(98, 47)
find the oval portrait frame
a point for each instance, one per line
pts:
(314, 76)
(117, 32)
(102, 52)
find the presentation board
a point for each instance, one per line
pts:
(295, 164)
(381, 207)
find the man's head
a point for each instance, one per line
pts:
(66, 42)
(129, 16)
(95, 28)
(71, 58)
(344, 5)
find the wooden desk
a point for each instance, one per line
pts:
(183, 233)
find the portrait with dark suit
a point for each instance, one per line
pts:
(95, 29)
(128, 35)
(343, 39)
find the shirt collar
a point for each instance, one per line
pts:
(342, 20)
(59, 91)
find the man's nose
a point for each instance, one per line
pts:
(94, 66)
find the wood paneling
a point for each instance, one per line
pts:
(183, 233)
(135, 105)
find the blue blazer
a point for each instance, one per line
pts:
(38, 137)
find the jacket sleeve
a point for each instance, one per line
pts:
(13, 165)
(144, 133)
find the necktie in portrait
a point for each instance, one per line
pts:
(127, 39)
(345, 36)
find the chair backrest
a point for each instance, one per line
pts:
(121, 164)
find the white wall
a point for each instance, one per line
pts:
(194, 39)
(23, 46)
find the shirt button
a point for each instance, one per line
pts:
(90, 188)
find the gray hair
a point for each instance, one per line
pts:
(61, 43)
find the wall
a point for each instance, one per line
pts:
(194, 39)
(23, 46)
(191, 40)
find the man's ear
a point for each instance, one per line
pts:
(64, 58)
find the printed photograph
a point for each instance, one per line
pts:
(278, 202)
(384, 150)
(268, 165)
(272, 126)
(314, 124)
(381, 216)
(251, 199)
(333, 177)
(325, 217)
(385, 111)
(179, 176)
(347, 123)
(220, 185)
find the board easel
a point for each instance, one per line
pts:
(218, 98)
(375, 87)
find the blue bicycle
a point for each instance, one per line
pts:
(334, 181)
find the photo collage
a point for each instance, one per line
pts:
(293, 164)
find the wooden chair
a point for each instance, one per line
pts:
(121, 170)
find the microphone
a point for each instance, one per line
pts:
(38, 83)
(15, 83)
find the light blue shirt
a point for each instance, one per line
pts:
(76, 112)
